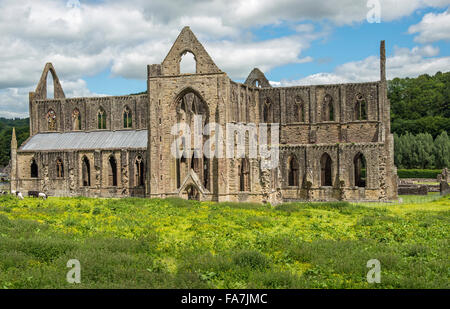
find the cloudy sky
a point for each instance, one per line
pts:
(103, 47)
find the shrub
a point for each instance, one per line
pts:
(252, 259)
(417, 173)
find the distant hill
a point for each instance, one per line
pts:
(418, 105)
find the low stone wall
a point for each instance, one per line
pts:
(444, 188)
(412, 190)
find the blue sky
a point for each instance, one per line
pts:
(103, 47)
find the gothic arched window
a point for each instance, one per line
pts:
(293, 172)
(34, 169)
(360, 108)
(127, 119)
(85, 172)
(112, 171)
(51, 120)
(101, 118)
(298, 110)
(59, 168)
(76, 120)
(325, 175)
(139, 171)
(267, 111)
(328, 109)
(244, 175)
(360, 169)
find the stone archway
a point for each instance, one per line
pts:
(192, 193)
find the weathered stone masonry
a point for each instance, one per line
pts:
(335, 141)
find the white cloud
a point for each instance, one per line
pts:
(404, 63)
(433, 27)
(83, 38)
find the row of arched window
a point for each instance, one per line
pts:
(86, 171)
(202, 168)
(326, 164)
(297, 112)
(101, 119)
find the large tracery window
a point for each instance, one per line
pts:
(325, 167)
(127, 119)
(76, 120)
(293, 172)
(189, 107)
(101, 118)
(51, 120)
(328, 109)
(360, 108)
(59, 168)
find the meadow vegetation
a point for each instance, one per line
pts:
(173, 243)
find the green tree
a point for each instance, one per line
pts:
(442, 150)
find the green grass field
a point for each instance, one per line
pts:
(143, 243)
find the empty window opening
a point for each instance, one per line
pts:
(51, 120)
(298, 112)
(50, 86)
(360, 108)
(59, 168)
(112, 175)
(325, 176)
(244, 175)
(34, 169)
(101, 119)
(139, 171)
(267, 112)
(328, 109)
(76, 120)
(293, 172)
(188, 64)
(86, 172)
(360, 170)
(206, 172)
(127, 120)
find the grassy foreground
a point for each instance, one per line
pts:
(142, 243)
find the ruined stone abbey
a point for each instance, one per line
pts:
(334, 140)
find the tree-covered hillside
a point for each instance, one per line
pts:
(22, 133)
(418, 105)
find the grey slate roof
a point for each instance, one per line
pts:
(87, 140)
